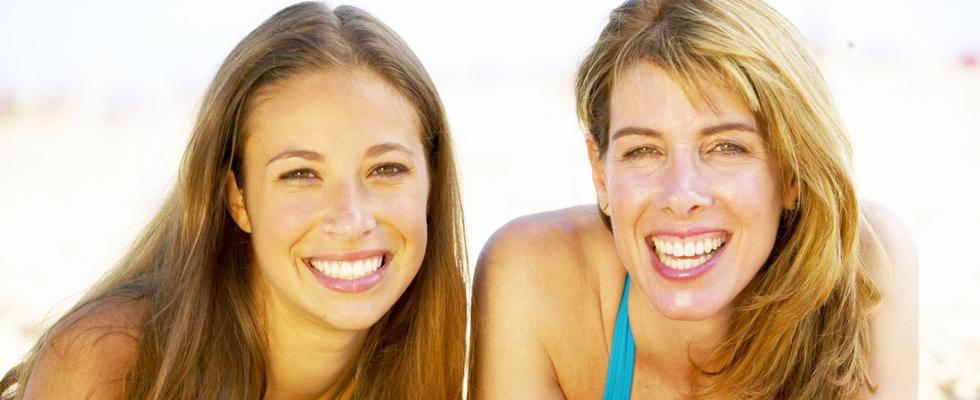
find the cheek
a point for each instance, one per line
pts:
(630, 190)
(631, 194)
(283, 218)
(406, 213)
(753, 198)
(753, 194)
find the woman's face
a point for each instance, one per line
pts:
(692, 192)
(335, 196)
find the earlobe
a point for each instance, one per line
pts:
(598, 173)
(235, 200)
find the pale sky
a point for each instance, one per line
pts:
(90, 49)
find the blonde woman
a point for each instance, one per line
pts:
(313, 246)
(728, 257)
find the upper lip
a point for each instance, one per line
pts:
(348, 255)
(685, 233)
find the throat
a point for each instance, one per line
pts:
(674, 347)
(304, 362)
(306, 375)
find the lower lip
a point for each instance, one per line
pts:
(352, 285)
(686, 274)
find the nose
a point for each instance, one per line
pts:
(348, 215)
(685, 190)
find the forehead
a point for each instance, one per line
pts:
(646, 95)
(346, 105)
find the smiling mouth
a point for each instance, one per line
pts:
(684, 254)
(348, 269)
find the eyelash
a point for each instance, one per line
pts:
(399, 169)
(636, 152)
(388, 170)
(644, 151)
(736, 149)
(304, 174)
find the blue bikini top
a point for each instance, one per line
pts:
(619, 374)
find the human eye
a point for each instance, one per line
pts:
(299, 175)
(389, 170)
(640, 152)
(728, 148)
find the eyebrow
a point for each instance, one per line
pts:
(305, 154)
(728, 126)
(373, 151)
(379, 149)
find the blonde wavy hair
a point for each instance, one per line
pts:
(801, 327)
(201, 333)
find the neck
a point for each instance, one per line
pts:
(305, 359)
(672, 348)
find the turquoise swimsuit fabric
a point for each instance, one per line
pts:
(619, 375)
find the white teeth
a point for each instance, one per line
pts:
(689, 249)
(684, 264)
(348, 269)
(668, 251)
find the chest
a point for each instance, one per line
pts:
(580, 349)
(585, 378)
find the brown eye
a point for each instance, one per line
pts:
(728, 148)
(299, 174)
(389, 170)
(641, 151)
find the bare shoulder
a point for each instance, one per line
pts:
(90, 357)
(529, 279)
(894, 322)
(894, 236)
(539, 259)
(533, 243)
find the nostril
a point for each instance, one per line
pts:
(349, 223)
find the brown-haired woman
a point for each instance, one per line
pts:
(313, 247)
(729, 257)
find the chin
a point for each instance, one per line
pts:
(352, 320)
(687, 305)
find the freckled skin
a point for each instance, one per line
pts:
(681, 179)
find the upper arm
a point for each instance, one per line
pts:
(895, 321)
(89, 359)
(509, 359)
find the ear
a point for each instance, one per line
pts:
(235, 200)
(598, 173)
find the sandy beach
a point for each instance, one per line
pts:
(84, 167)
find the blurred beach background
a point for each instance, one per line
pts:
(97, 101)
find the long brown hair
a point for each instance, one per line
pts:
(201, 336)
(800, 329)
